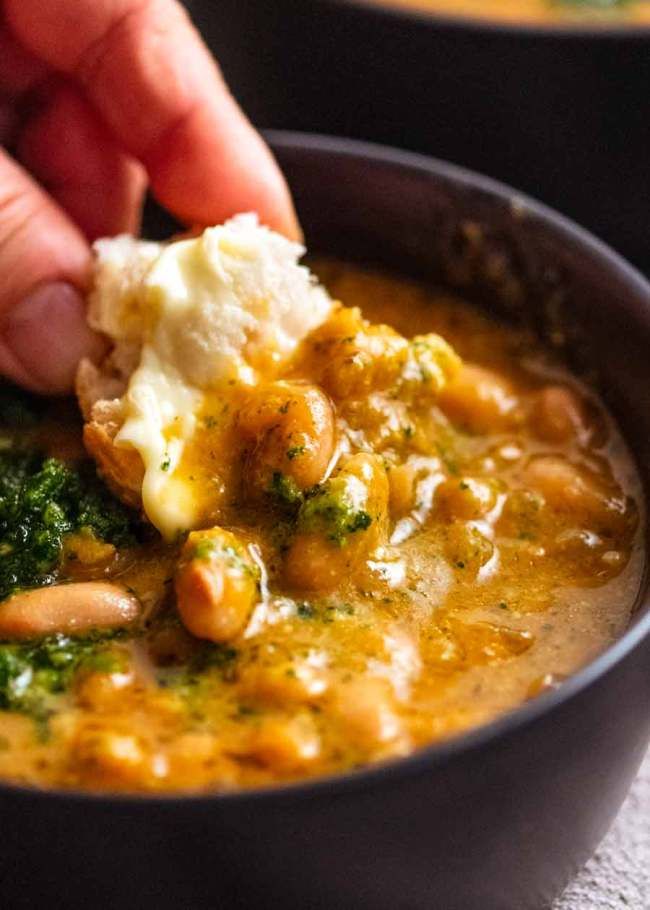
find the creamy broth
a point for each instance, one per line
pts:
(507, 555)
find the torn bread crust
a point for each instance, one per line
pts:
(100, 390)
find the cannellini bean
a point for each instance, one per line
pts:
(467, 549)
(466, 498)
(99, 690)
(313, 564)
(402, 480)
(570, 489)
(291, 426)
(198, 756)
(339, 529)
(293, 682)
(216, 584)
(480, 400)
(488, 643)
(558, 415)
(366, 706)
(354, 358)
(113, 758)
(285, 743)
(71, 609)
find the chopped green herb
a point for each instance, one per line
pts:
(32, 673)
(324, 612)
(447, 457)
(212, 656)
(208, 548)
(165, 463)
(294, 451)
(361, 521)
(305, 610)
(41, 502)
(285, 489)
(429, 361)
(334, 509)
(205, 549)
(247, 711)
(208, 658)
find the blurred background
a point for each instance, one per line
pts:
(551, 100)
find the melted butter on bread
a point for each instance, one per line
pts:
(200, 318)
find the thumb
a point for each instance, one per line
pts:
(44, 262)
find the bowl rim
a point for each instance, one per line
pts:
(426, 758)
(594, 31)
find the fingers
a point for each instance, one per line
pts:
(87, 173)
(173, 112)
(44, 261)
(67, 147)
(239, 174)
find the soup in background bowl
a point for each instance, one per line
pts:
(552, 12)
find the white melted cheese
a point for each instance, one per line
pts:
(226, 307)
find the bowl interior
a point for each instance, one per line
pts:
(499, 817)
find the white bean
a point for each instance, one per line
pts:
(69, 609)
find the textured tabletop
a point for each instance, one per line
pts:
(618, 876)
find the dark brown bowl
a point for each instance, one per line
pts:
(498, 819)
(561, 112)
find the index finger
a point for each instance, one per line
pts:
(147, 71)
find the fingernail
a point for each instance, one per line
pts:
(47, 334)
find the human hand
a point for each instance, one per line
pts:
(97, 98)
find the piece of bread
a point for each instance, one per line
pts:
(120, 263)
(99, 391)
(183, 318)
